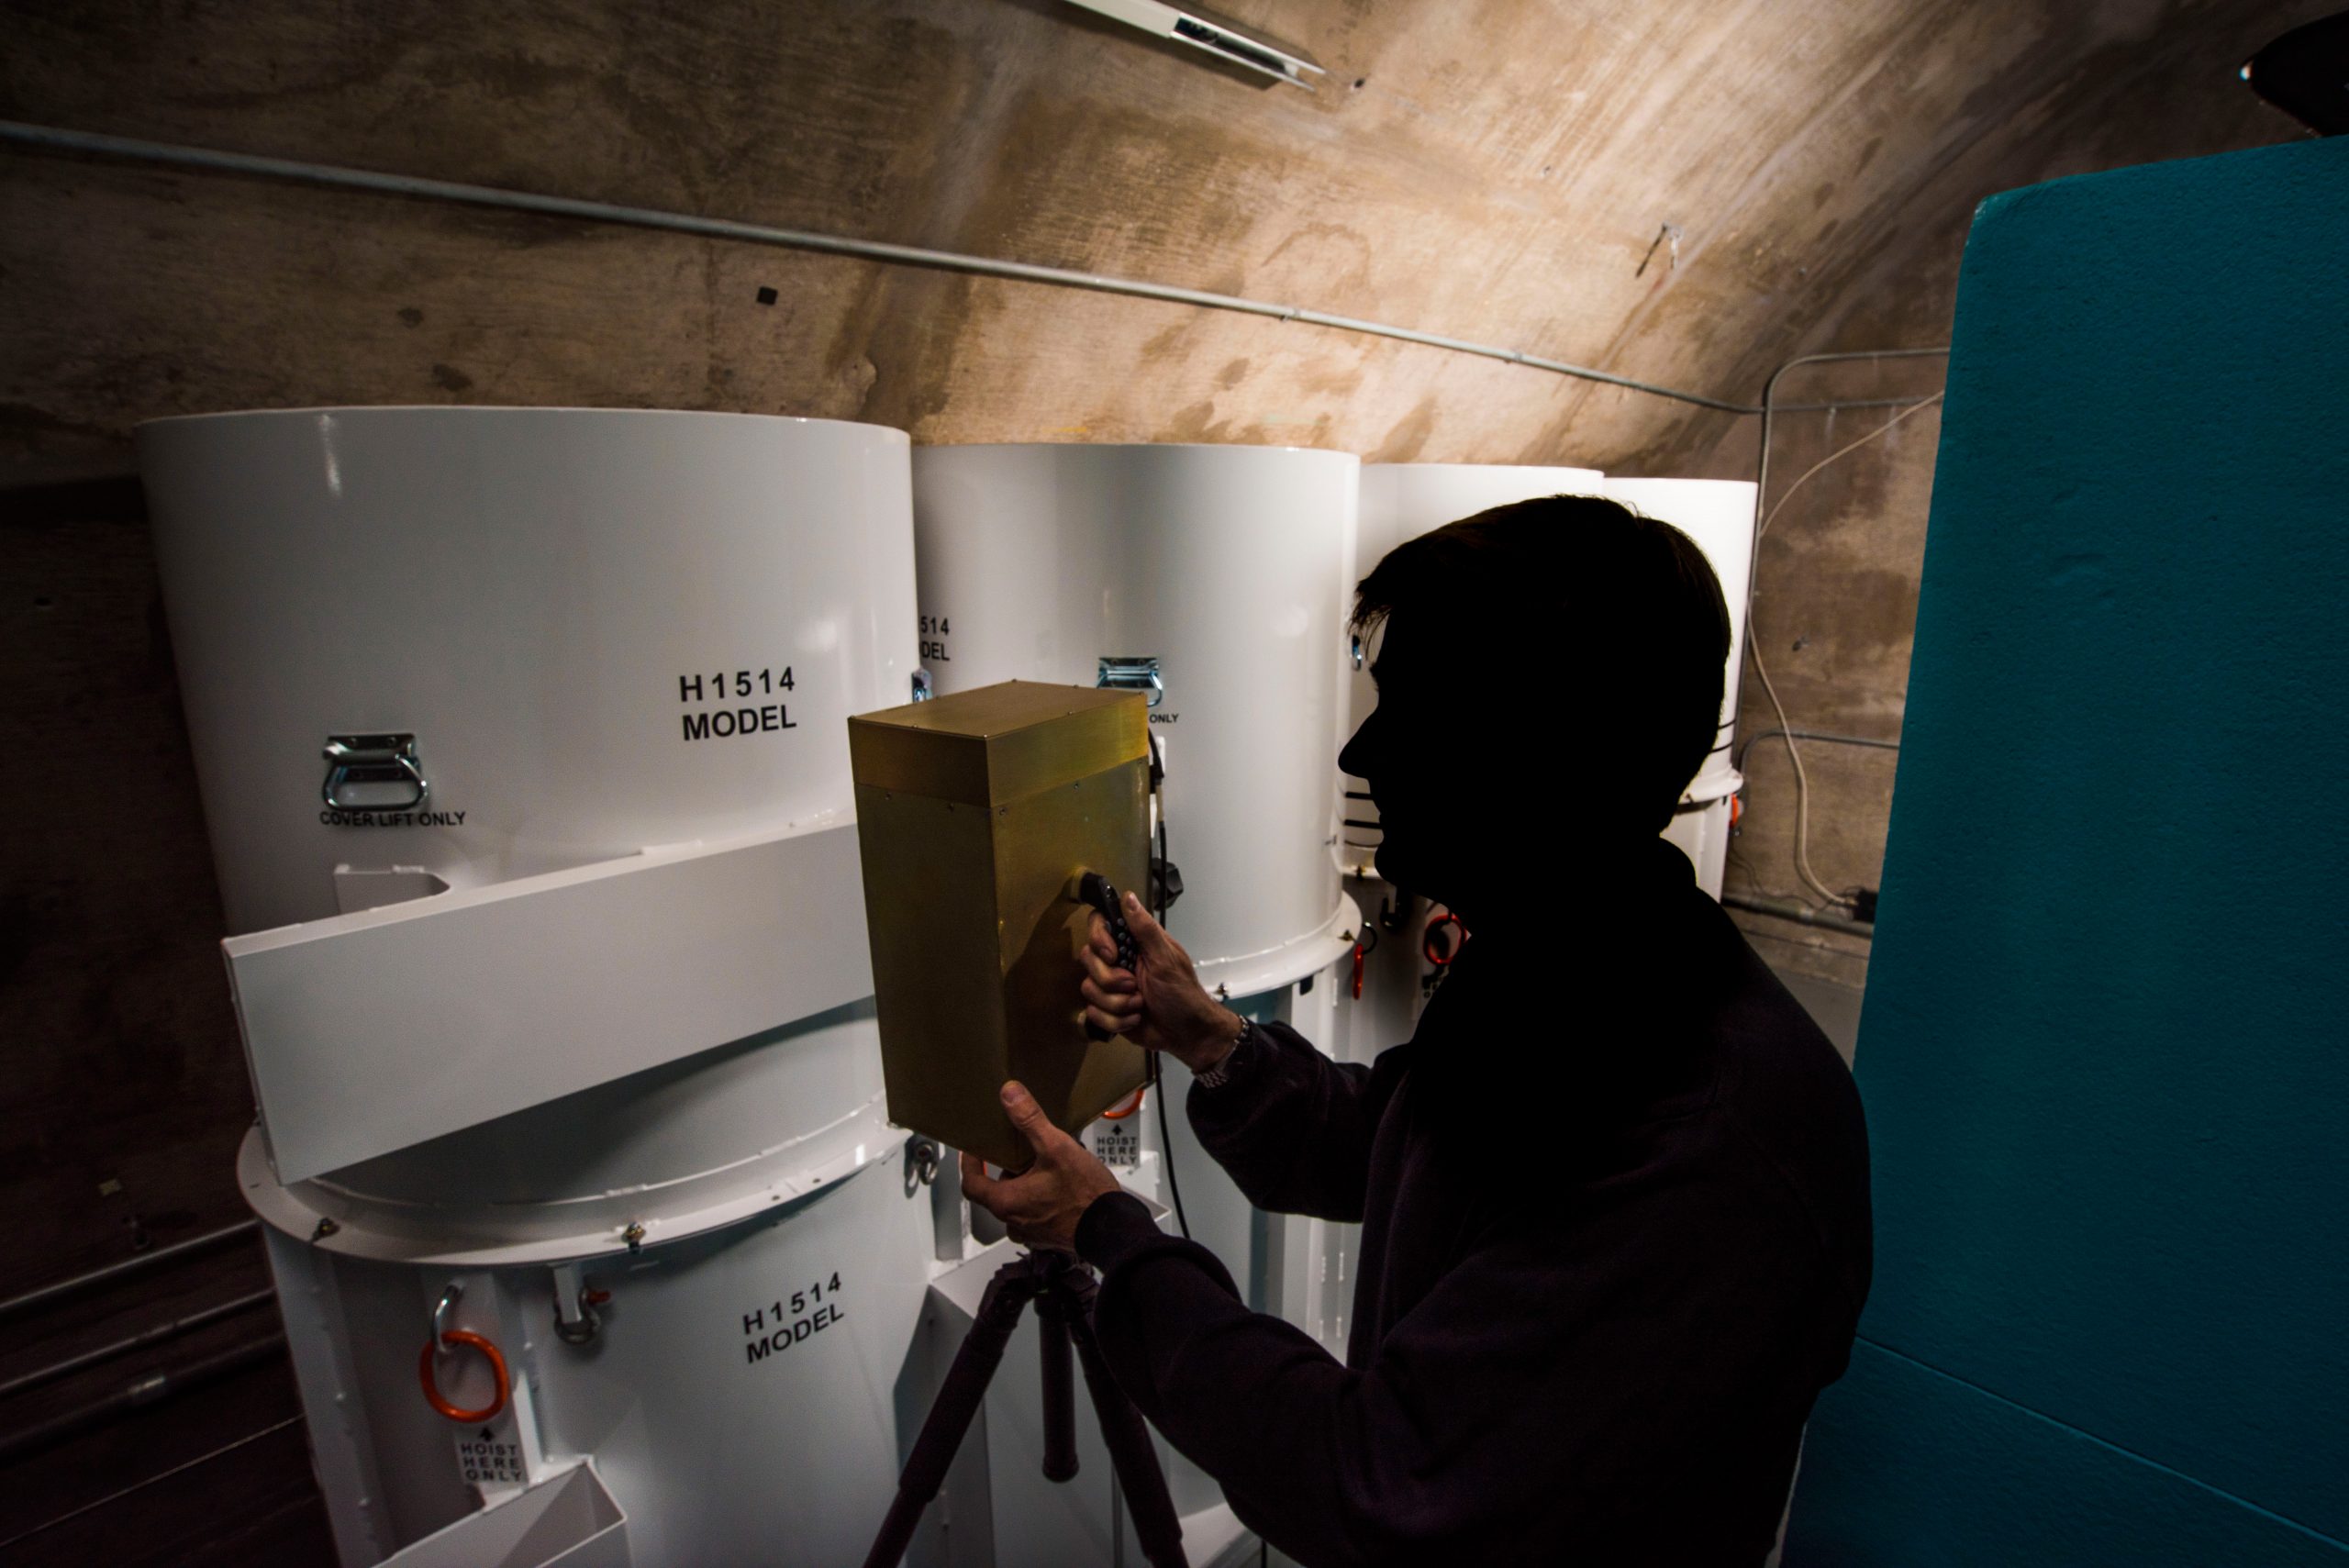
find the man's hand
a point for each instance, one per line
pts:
(1159, 1004)
(1040, 1206)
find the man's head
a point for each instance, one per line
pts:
(1549, 673)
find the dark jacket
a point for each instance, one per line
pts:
(1614, 1199)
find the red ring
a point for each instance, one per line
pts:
(1427, 942)
(1131, 1105)
(453, 1338)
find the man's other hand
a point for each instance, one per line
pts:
(1040, 1206)
(1159, 1004)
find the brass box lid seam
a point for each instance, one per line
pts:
(1000, 743)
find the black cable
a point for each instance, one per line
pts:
(1166, 1151)
(1158, 896)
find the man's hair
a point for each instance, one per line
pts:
(1610, 621)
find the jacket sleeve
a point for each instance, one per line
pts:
(1541, 1377)
(1292, 1127)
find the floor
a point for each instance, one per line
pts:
(176, 1441)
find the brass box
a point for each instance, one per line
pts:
(976, 815)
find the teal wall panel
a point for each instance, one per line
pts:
(2104, 1052)
(1961, 1479)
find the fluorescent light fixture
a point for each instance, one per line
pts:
(1204, 30)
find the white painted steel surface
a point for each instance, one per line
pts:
(549, 601)
(640, 1014)
(721, 1453)
(1702, 834)
(662, 1154)
(523, 590)
(1230, 566)
(569, 1519)
(374, 1031)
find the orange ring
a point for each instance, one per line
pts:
(452, 1338)
(1459, 939)
(1131, 1105)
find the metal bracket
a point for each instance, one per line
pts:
(576, 1321)
(1227, 41)
(374, 773)
(1132, 673)
(923, 1157)
(447, 1304)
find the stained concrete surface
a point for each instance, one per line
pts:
(1837, 576)
(1498, 169)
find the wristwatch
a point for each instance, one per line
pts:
(1217, 1076)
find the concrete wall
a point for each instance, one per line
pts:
(1498, 169)
(1837, 575)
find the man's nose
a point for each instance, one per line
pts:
(1358, 756)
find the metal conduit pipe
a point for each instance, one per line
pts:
(1769, 408)
(1842, 406)
(55, 139)
(96, 1277)
(137, 1394)
(1754, 739)
(162, 1331)
(52, 139)
(1788, 909)
(132, 148)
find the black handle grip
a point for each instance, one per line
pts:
(1097, 891)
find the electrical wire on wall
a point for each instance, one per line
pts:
(1810, 879)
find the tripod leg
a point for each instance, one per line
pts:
(1060, 1387)
(1156, 1525)
(956, 1406)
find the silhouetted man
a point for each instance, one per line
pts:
(1614, 1190)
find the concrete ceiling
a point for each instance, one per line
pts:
(1497, 170)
